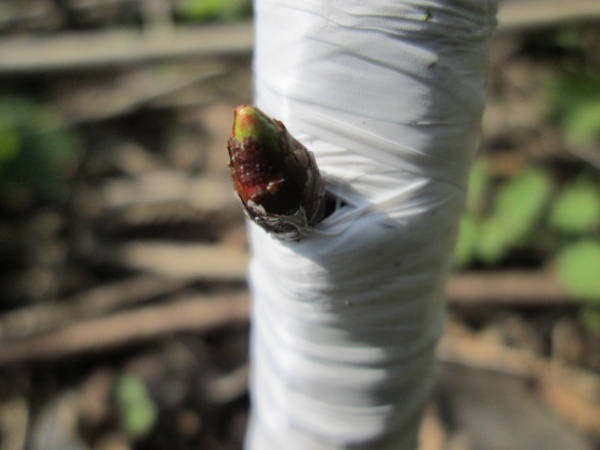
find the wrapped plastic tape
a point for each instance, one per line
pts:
(388, 94)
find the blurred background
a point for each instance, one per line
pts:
(123, 299)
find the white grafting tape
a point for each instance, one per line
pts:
(388, 94)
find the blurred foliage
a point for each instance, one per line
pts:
(534, 212)
(578, 266)
(573, 93)
(137, 411)
(552, 211)
(575, 102)
(576, 210)
(529, 210)
(590, 317)
(515, 208)
(466, 243)
(519, 203)
(201, 10)
(479, 180)
(37, 156)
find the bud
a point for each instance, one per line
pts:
(274, 175)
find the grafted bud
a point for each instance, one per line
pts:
(274, 175)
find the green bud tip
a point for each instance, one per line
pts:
(251, 123)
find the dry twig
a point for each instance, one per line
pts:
(506, 287)
(110, 48)
(193, 315)
(49, 315)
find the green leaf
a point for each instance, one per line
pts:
(466, 242)
(577, 209)
(521, 200)
(578, 267)
(519, 204)
(10, 144)
(590, 317)
(137, 411)
(37, 156)
(479, 180)
(582, 125)
(493, 242)
(215, 9)
(15, 111)
(576, 104)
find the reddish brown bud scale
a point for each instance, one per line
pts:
(274, 175)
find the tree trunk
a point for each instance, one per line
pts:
(389, 96)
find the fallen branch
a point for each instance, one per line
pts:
(184, 260)
(573, 408)
(119, 95)
(159, 187)
(518, 288)
(509, 287)
(229, 387)
(49, 315)
(93, 50)
(528, 14)
(574, 392)
(481, 354)
(187, 262)
(193, 315)
(85, 51)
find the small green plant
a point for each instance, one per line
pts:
(480, 178)
(466, 244)
(137, 410)
(517, 205)
(201, 10)
(520, 202)
(576, 211)
(573, 93)
(590, 317)
(37, 156)
(527, 211)
(578, 266)
(553, 215)
(575, 101)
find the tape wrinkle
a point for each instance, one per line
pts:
(323, 123)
